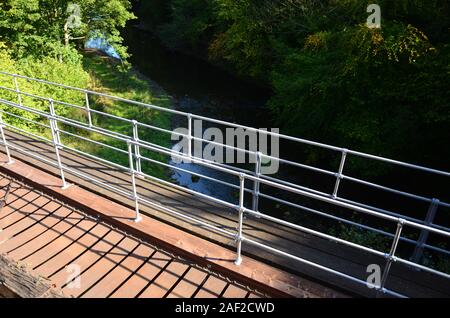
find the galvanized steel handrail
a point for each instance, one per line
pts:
(257, 178)
(191, 117)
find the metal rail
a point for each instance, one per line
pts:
(134, 145)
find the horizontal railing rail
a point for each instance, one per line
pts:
(256, 195)
(134, 146)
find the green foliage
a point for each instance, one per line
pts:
(437, 261)
(69, 73)
(244, 42)
(334, 79)
(40, 27)
(190, 24)
(36, 41)
(97, 74)
(362, 237)
(443, 264)
(367, 89)
(107, 78)
(152, 13)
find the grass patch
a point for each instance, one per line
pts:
(106, 76)
(101, 74)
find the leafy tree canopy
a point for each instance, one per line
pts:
(333, 78)
(46, 27)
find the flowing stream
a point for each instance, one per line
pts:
(198, 87)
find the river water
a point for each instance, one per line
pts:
(198, 87)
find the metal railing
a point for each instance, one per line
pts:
(256, 178)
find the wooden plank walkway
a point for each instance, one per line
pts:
(327, 253)
(51, 239)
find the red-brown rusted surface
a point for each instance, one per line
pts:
(251, 272)
(307, 246)
(49, 238)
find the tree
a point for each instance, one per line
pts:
(43, 27)
(333, 78)
(190, 25)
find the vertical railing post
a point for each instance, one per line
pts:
(339, 174)
(56, 141)
(133, 183)
(238, 260)
(136, 146)
(16, 87)
(8, 154)
(189, 150)
(88, 109)
(418, 250)
(390, 256)
(256, 184)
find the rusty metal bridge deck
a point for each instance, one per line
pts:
(86, 257)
